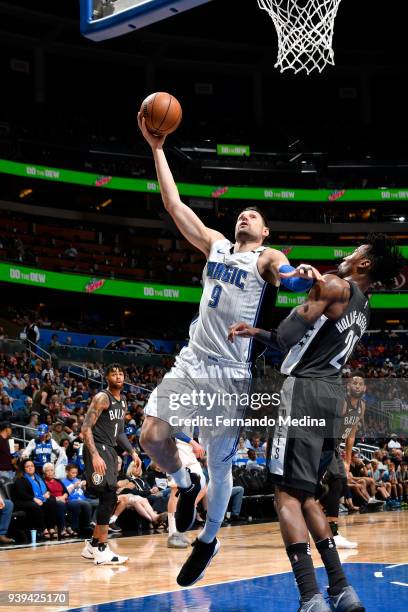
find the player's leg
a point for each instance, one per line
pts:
(103, 555)
(295, 535)
(162, 409)
(220, 450)
(336, 479)
(156, 440)
(175, 539)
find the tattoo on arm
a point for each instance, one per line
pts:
(99, 403)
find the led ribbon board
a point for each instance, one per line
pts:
(23, 275)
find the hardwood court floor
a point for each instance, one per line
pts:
(247, 551)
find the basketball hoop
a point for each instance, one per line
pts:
(305, 32)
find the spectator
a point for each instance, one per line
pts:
(42, 448)
(6, 411)
(32, 425)
(6, 462)
(48, 370)
(4, 379)
(133, 493)
(241, 452)
(393, 443)
(18, 381)
(32, 496)
(60, 493)
(251, 463)
(32, 334)
(41, 400)
(237, 495)
(76, 495)
(54, 344)
(58, 433)
(6, 511)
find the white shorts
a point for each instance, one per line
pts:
(189, 460)
(201, 391)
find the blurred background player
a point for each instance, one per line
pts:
(189, 452)
(103, 430)
(336, 475)
(317, 339)
(241, 280)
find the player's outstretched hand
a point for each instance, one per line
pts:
(156, 142)
(304, 271)
(241, 329)
(198, 450)
(99, 465)
(136, 460)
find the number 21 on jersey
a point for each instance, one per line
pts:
(340, 359)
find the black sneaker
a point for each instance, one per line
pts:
(196, 564)
(114, 528)
(186, 510)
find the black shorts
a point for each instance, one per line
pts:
(336, 468)
(302, 450)
(96, 483)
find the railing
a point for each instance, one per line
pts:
(77, 369)
(367, 451)
(10, 346)
(24, 429)
(94, 355)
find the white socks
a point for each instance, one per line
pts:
(172, 523)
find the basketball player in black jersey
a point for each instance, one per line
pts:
(336, 475)
(103, 429)
(317, 339)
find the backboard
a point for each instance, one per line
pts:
(101, 19)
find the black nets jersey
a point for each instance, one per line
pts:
(352, 416)
(325, 348)
(111, 421)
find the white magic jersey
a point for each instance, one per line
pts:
(233, 290)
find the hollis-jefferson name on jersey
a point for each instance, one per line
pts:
(354, 317)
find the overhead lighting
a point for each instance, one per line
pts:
(402, 219)
(24, 193)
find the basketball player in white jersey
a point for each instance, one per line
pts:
(240, 283)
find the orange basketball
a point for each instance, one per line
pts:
(162, 113)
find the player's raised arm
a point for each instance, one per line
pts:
(189, 224)
(325, 294)
(99, 403)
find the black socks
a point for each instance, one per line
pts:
(330, 558)
(302, 565)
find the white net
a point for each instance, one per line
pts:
(305, 32)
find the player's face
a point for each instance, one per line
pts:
(250, 226)
(357, 387)
(356, 260)
(116, 379)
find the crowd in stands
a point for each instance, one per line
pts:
(46, 405)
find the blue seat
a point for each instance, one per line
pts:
(18, 404)
(14, 392)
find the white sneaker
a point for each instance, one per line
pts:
(176, 540)
(342, 542)
(88, 550)
(108, 557)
